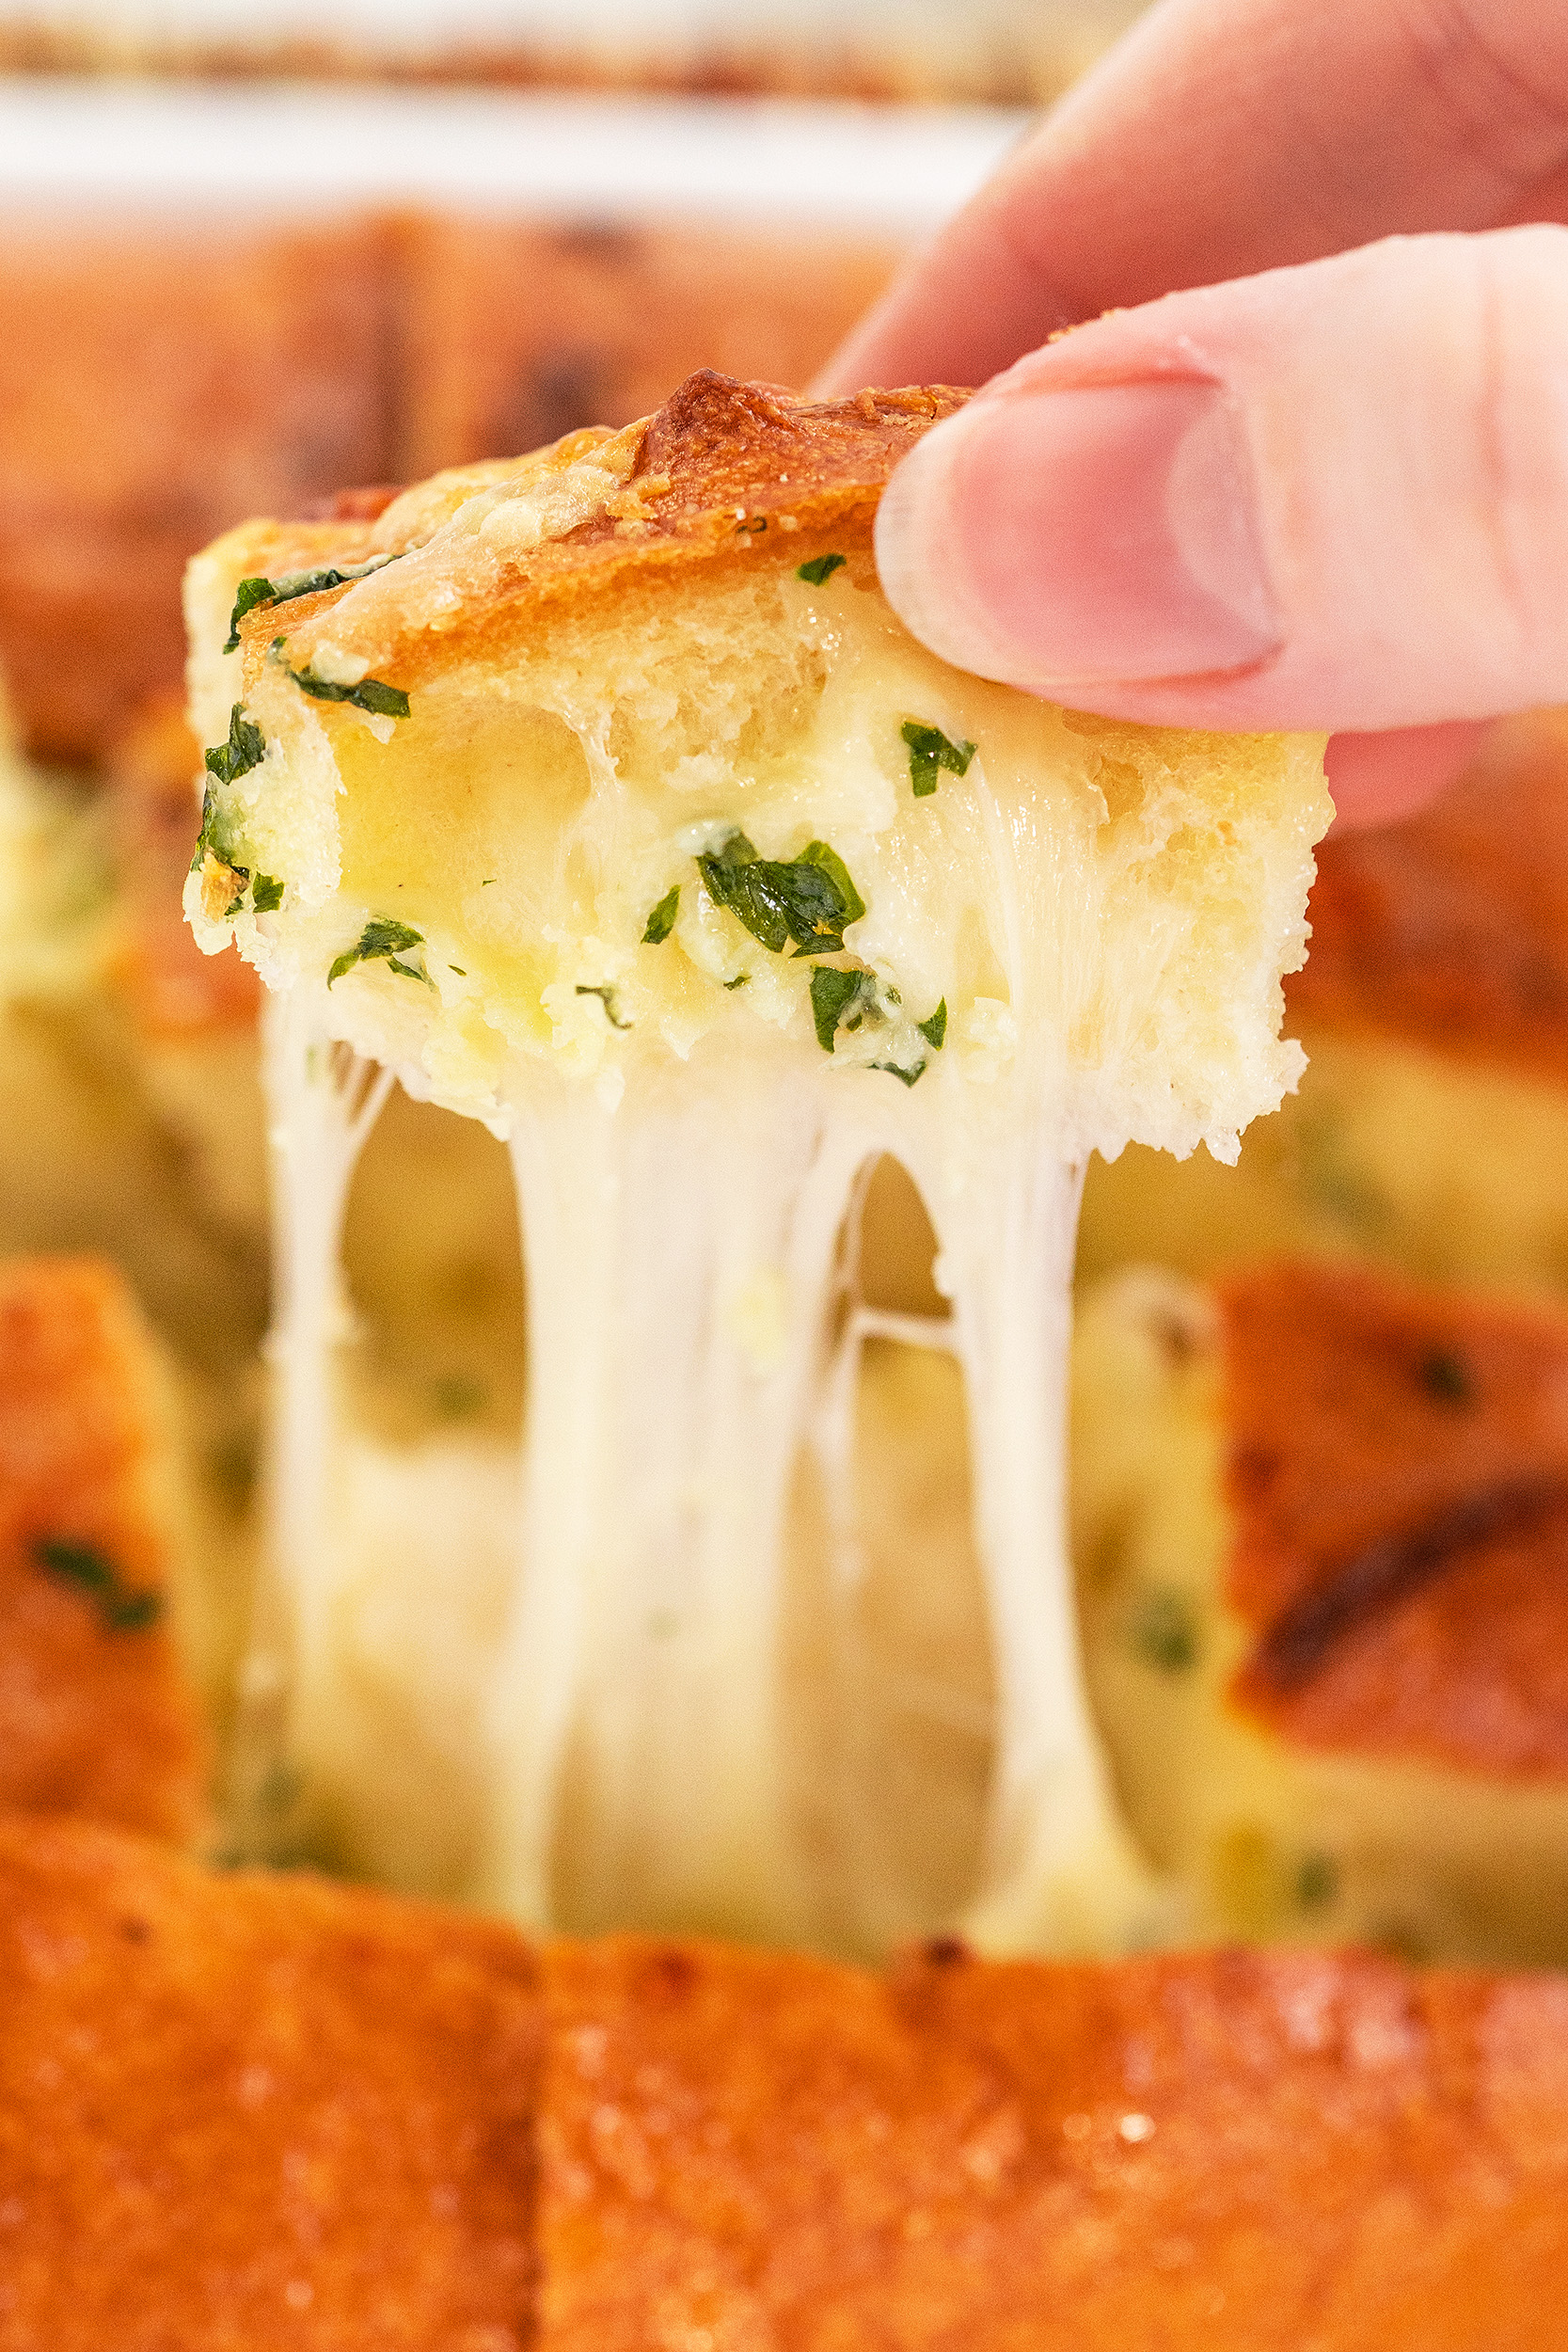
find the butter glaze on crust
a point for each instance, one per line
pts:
(722, 472)
(1237, 2152)
(1398, 1478)
(256, 2111)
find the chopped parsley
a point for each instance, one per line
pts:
(808, 899)
(835, 995)
(245, 749)
(740, 980)
(372, 693)
(255, 590)
(1162, 1632)
(605, 996)
(123, 1607)
(934, 1030)
(266, 893)
(1317, 1881)
(930, 751)
(661, 922)
(820, 568)
(382, 941)
(906, 1077)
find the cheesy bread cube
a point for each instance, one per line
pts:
(599, 796)
(1321, 1527)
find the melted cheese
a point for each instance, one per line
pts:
(1104, 913)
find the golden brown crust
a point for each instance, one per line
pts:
(1398, 1477)
(1237, 2152)
(96, 1718)
(1451, 927)
(256, 2111)
(724, 471)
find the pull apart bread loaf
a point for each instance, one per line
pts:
(1322, 1521)
(258, 2112)
(601, 796)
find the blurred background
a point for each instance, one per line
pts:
(245, 261)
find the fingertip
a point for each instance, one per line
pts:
(1377, 778)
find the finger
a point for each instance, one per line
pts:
(1378, 778)
(1222, 137)
(1329, 496)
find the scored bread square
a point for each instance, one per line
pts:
(1322, 1537)
(256, 2111)
(1431, 1123)
(1245, 2153)
(96, 1716)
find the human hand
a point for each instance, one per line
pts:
(1332, 495)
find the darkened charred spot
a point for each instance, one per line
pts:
(944, 1951)
(671, 1974)
(606, 241)
(1299, 1641)
(136, 1931)
(1446, 1377)
(563, 390)
(1253, 1471)
(1537, 983)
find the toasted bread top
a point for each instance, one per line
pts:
(1233, 2151)
(256, 2110)
(1398, 1474)
(723, 471)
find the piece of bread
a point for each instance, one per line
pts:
(97, 1717)
(261, 2111)
(600, 794)
(1431, 1128)
(256, 2111)
(1210, 2152)
(1322, 1539)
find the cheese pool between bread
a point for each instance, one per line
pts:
(601, 796)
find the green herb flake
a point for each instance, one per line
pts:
(372, 693)
(807, 900)
(249, 593)
(832, 994)
(1317, 1881)
(934, 1030)
(1162, 1633)
(607, 998)
(458, 969)
(382, 939)
(905, 1077)
(121, 1607)
(740, 980)
(266, 893)
(820, 568)
(930, 751)
(661, 922)
(245, 749)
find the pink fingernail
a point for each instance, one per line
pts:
(1070, 538)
